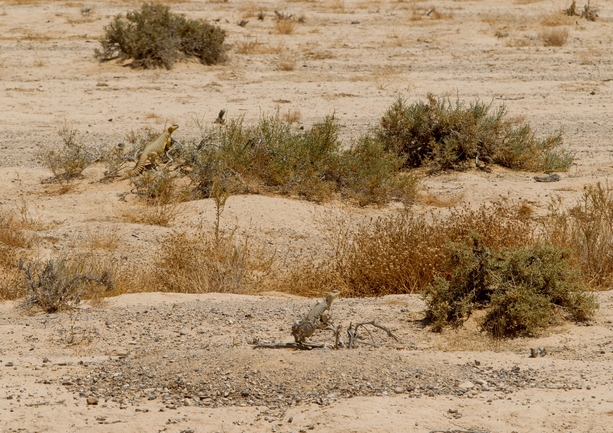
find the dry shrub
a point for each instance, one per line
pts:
(203, 262)
(557, 18)
(587, 230)
(403, 253)
(292, 116)
(108, 240)
(11, 230)
(61, 283)
(154, 37)
(154, 212)
(554, 37)
(448, 135)
(285, 26)
(247, 47)
(13, 241)
(161, 195)
(286, 63)
(68, 161)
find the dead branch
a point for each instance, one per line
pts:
(352, 331)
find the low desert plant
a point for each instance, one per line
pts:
(205, 261)
(154, 37)
(60, 284)
(12, 240)
(68, 161)
(272, 156)
(587, 230)
(447, 135)
(403, 253)
(556, 37)
(285, 26)
(286, 63)
(523, 290)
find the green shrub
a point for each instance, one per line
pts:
(154, 37)
(449, 135)
(523, 290)
(273, 157)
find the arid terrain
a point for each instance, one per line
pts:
(152, 362)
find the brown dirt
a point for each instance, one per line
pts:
(351, 58)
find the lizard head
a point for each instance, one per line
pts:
(172, 128)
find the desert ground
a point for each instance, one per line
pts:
(167, 362)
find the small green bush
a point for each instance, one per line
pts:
(449, 135)
(154, 37)
(523, 290)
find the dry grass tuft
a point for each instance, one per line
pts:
(61, 283)
(291, 116)
(556, 37)
(154, 212)
(13, 240)
(105, 239)
(285, 26)
(587, 230)
(403, 253)
(557, 18)
(286, 63)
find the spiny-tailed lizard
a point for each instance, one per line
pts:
(317, 318)
(152, 151)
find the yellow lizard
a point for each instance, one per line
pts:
(156, 148)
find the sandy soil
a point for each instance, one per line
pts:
(351, 58)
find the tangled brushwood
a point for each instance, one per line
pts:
(154, 37)
(60, 284)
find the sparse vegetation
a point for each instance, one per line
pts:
(446, 135)
(60, 284)
(403, 253)
(205, 261)
(587, 230)
(68, 161)
(272, 157)
(556, 37)
(153, 37)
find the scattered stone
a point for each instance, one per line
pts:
(465, 386)
(92, 401)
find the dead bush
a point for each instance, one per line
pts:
(154, 37)
(587, 230)
(556, 37)
(448, 135)
(60, 284)
(68, 161)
